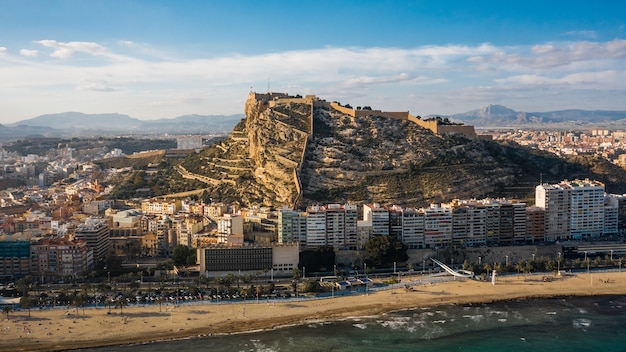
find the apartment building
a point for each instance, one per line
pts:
(316, 226)
(437, 226)
(52, 259)
(535, 224)
(555, 200)
(95, 233)
(291, 226)
(412, 228)
(229, 225)
(14, 259)
(573, 209)
(378, 216)
(165, 207)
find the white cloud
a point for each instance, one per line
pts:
(30, 53)
(127, 43)
(3, 50)
(97, 88)
(448, 77)
(582, 34)
(552, 55)
(64, 50)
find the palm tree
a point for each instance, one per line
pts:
(7, 309)
(159, 300)
(121, 302)
(79, 301)
(109, 302)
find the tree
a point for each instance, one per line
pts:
(26, 302)
(120, 302)
(322, 258)
(296, 274)
(183, 255)
(159, 299)
(23, 285)
(311, 286)
(7, 309)
(79, 301)
(109, 302)
(385, 250)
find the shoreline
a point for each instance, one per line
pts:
(56, 330)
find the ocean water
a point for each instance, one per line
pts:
(563, 324)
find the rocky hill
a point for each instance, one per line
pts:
(299, 151)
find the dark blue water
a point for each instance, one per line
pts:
(568, 324)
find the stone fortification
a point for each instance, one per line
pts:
(435, 126)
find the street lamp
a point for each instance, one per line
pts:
(365, 268)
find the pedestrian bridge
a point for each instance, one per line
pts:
(457, 273)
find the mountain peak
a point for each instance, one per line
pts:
(495, 110)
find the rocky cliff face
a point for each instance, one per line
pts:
(277, 139)
(300, 151)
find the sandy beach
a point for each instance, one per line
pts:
(60, 329)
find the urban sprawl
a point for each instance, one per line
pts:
(56, 241)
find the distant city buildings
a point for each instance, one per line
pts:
(189, 142)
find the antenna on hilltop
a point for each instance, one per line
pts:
(268, 85)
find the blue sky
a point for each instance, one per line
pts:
(162, 59)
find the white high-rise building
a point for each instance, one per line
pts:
(379, 218)
(413, 228)
(573, 209)
(437, 226)
(555, 199)
(315, 226)
(587, 209)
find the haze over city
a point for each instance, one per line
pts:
(161, 59)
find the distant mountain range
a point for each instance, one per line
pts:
(501, 116)
(75, 124)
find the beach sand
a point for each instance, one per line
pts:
(59, 329)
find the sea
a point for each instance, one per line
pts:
(559, 324)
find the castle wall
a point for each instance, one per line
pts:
(465, 130)
(343, 109)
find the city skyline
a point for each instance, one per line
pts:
(162, 59)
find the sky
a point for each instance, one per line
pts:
(157, 59)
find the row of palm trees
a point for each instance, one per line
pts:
(545, 264)
(119, 292)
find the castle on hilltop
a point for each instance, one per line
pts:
(436, 125)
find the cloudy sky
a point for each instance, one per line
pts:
(161, 59)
